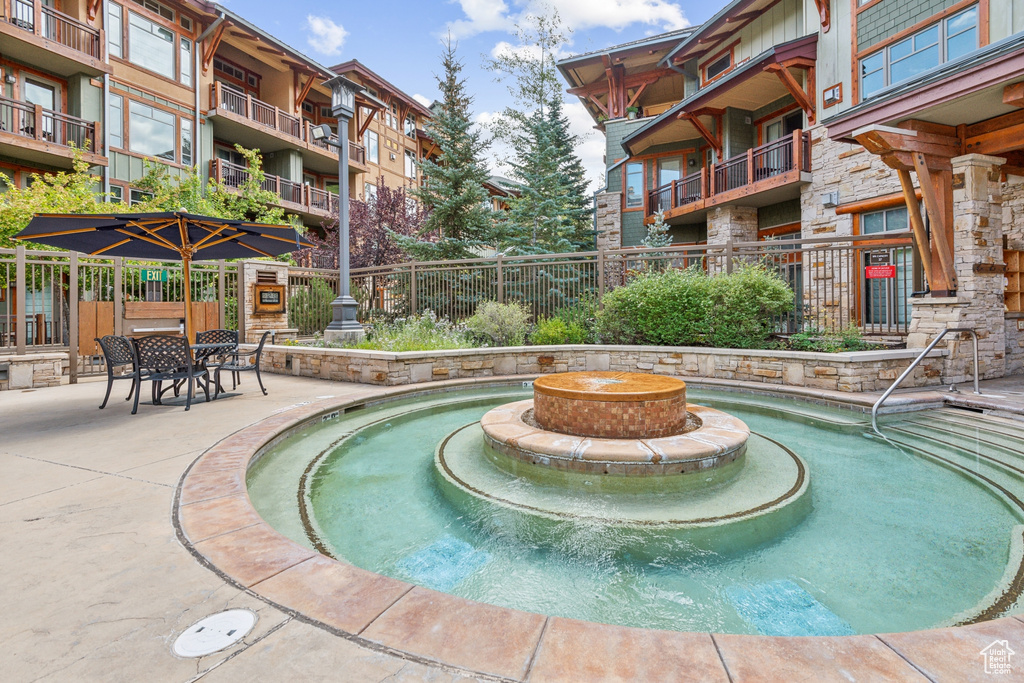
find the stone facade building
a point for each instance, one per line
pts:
(803, 121)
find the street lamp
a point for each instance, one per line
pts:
(343, 325)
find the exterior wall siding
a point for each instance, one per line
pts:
(780, 24)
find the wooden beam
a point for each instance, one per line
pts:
(824, 14)
(301, 97)
(928, 127)
(271, 50)
(1013, 95)
(213, 42)
(799, 63)
(94, 6)
(597, 103)
(883, 140)
(996, 136)
(934, 189)
(708, 111)
(702, 129)
(805, 101)
(366, 124)
(924, 249)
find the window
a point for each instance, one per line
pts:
(150, 45)
(886, 300)
(156, 8)
(410, 164)
(138, 196)
(718, 67)
(186, 142)
(116, 194)
(115, 121)
(832, 96)
(372, 146)
(634, 184)
(114, 30)
(186, 62)
(186, 23)
(410, 206)
(150, 131)
(326, 113)
(370, 191)
(933, 45)
(891, 220)
(669, 169)
(410, 126)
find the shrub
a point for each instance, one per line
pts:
(813, 339)
(667, 308)
(416, 333)
(690, 308)
(580, 320)
(500, 324)
(744, 304)
(557, 331)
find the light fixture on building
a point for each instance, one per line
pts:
(11, 78)
(320, 132)
(830, 200)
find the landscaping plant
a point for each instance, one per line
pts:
(500, 324)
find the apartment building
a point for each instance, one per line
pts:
(180, 83)
(814, 119)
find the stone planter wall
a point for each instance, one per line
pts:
(31, 371)
(861, 371)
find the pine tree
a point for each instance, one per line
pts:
(453, 193)
(553, 212)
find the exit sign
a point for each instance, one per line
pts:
(154, 276)
(875, 272)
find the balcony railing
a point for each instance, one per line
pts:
(48, 23)
(356, 152)
(295, 195)
(760, 163)
(32, 121)
(248, 107)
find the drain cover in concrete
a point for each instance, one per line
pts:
(214, 633)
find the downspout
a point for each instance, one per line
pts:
(197, 142)
(104, 115)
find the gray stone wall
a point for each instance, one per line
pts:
(609, 220)
(849, 372)
(1013, 211)
(32, 371)
(738, 223)
(889, 17)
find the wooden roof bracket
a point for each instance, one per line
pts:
(708, 136)
(941, 220)
(825, 14)
(94, 6)
(1013, 95)
(212, 43)
(803, 98)
(365, 124)
(301, 96)
(924, 249)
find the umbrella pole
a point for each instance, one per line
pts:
(186, 275)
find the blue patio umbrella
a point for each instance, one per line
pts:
(171, 234)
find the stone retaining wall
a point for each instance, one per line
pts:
(31, 371)
(851, 372)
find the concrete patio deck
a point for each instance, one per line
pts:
(97, 584)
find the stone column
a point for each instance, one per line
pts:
(609, 220)
(265, 272)
(977, 239)
(738, 223)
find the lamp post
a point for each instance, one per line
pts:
(343, 325)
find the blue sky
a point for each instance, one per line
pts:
(400, 40)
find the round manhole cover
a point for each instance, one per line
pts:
(214, 633)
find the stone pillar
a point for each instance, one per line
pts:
(977, 239)
(738, 223)
(609, 220)
(264, 272)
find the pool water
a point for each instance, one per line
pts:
(917, 531)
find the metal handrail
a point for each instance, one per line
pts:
(917, 361)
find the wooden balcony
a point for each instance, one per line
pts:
(43, 136)
(763, 175)
(356, 152)
(309, 202)
(36, 34)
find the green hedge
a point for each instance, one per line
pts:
(690, 308)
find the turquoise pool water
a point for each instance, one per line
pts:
(911, 533)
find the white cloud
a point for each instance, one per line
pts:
(484, 15)
(325, 36)
(422, 99)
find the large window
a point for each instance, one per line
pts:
(186, 142)
(186, 62)
(886, 304)
(372, 146)
(410, 164)
(634, 184)
(410, 126)
(115, 121)
(369, 192)
(718, 67)
(114, 36)
(151, 131)
(669, 169)
(150, 45)
(941, 42)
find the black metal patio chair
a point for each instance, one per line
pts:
(161, 359)
(117, 353)
(213, 349)
(239, 362)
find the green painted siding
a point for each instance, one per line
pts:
(772, 107)
(778, 214)
(739, 133)
(84, 99)
(633, 228)
(889, 17)
(695, 232)
(286, 163)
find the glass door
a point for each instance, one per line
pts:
(47, 96)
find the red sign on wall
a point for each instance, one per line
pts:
(872, 272)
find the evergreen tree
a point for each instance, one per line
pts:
(553, 212)
(458, 222)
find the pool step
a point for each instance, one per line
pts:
(782, 608)
(805, 412)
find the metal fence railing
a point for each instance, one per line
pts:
(833, 286)
(56, 301)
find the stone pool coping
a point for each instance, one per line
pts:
(216, 521)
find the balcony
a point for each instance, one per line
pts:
(764, 175)
(253, 123)
(35, 34)
(309, 202)
(47, 137)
